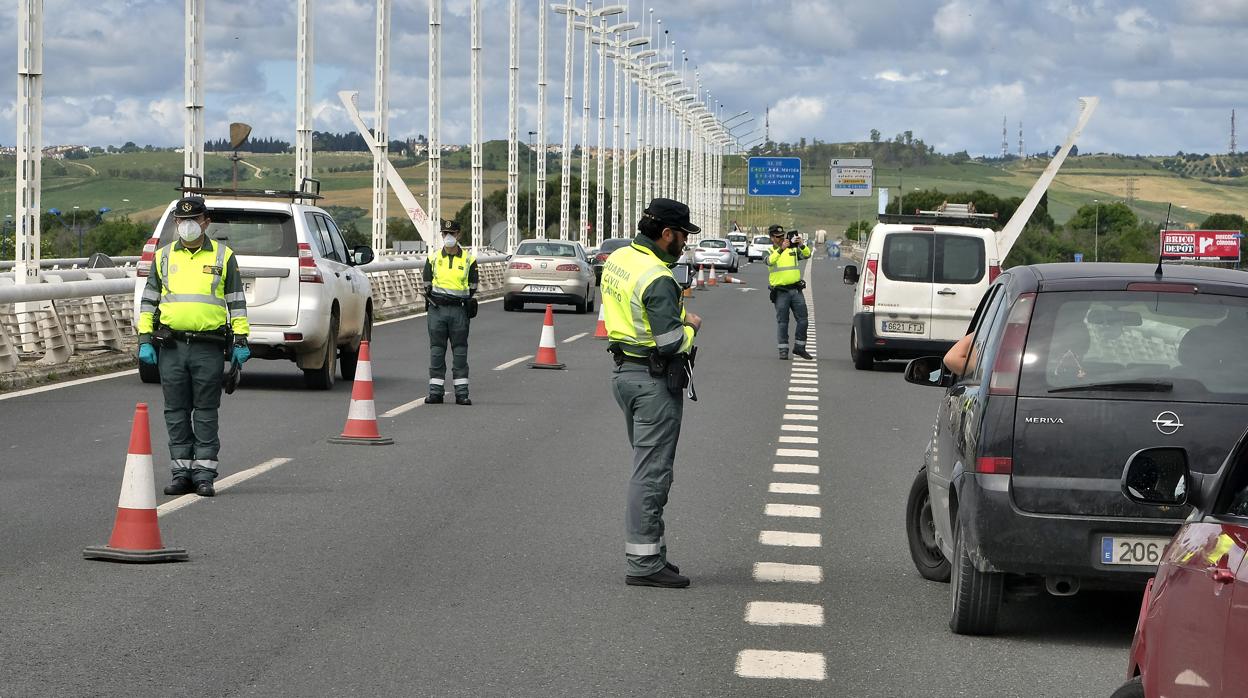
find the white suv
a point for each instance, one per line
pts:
(306, 299)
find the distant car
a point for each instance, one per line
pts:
(715, 253)
(759, 248)
(608, 246)
(1192, 631)
(549, 271)
(307, 300)
(1074, 368)
(740, 242)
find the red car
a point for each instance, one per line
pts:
(1192, 635)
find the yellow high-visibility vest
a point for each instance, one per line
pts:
(626, 275)
(783, 266)
(192, 290)
(450, 274)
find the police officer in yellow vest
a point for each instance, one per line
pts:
(450, 277)
(651, 336)
(784, 278)
(191, 316)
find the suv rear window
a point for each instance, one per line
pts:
(260, 233)
(1141, 341)
(934, 258)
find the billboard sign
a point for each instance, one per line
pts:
(1201, 245)
(852, 177)
(775, 176)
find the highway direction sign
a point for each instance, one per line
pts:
(851, 177)
(775, 177)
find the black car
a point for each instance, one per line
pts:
(1074, 368)
(604, 250)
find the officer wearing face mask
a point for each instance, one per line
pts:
(192, 315)
(450, 278)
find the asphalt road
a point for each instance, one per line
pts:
(481, 555)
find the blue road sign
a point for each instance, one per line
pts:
(775, 177)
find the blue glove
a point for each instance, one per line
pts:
(240, 355)
(147, 354)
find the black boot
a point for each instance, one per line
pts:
(204, 488)
(433, 400)
(801, 351)
(462, 400)
(784, 354)
(664, 578)
(180, 485)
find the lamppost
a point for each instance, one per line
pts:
(533, 187)
(1096, 232)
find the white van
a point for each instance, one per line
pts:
(922, 279)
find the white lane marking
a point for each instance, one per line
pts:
(802, 389)
(411, 317)
(781, 572)
(808, 368)
(790, 539)
(405, 407)
(799, 439)
(808, 408)
(799, 427)
(801, 417)
(513, 362)
(221, 485)
(796, 468)
(769, 664)
(803, 381)
(574, 337)
(797, 452)
(792, 488)
(799, 511)
(811, 398)
(67, 384)
(783, 613)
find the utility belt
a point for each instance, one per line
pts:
(469, 304)
(164, 336)
(676, 370)
(797, 286)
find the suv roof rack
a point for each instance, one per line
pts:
(194, 184)
(977, 220)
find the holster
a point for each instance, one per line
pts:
(471, 307)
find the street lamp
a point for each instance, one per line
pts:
(1096, 232)
(533, 186)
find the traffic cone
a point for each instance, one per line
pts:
(136, 534)
(546, 357)
(713, 278)
(600, 331)
(362, 415)
(701, 275)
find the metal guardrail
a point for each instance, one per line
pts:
(48, 323)
(70, 262)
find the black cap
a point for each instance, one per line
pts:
(672, 214)
(190, 207)
(450, 225)
(775, 228)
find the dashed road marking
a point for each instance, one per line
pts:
(792, 488)
(798, 427)
(803, 381)
(801, 417)
(574, 337)
(221, 485)
(799, 439)
(783, 613)
(802, 389)
(768, 664)
(405, 407)
(796, 468)
(798, 452)
(812, 398)
(808, 408)
(790, 539)
(513, 362)
(782, 572)
(799, 511)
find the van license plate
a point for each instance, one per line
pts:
(902, 327)
(1123, 550)
(541, 289)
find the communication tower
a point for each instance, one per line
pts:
(1233, 144)
(1022, 154)
(1005, 142)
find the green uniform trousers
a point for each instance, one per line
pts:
(190, 375)
(448, 323)
(653, 416)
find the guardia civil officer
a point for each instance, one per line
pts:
(651, 337)
(784, 278)
(191, 316)
(450, 283)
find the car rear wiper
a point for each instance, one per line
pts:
(1156, 386)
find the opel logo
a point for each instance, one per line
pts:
(1167, 423)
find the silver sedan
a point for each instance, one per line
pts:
(549, 271)
(716, 253)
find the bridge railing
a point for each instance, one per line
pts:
(89, 312)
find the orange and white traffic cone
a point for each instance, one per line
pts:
(701, 276)
(136, 534)
(361, 425)
(546, 356)
(600, 331)
(713, 278)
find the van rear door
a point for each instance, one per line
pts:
(903, 288)
(959, 279)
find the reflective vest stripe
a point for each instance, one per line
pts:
(192, 298)
(641, 548)
(669, 337)
(450, 291)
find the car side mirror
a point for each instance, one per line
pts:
(930, 371)
(683, 275)
(1157, 477)
(362, 255)
(851, 274)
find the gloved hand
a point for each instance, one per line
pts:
(147, 354)
(240, 355)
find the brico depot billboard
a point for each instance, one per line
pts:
(1201, 245)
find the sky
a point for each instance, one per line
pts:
(1167, 71)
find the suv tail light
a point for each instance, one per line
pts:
(994, 465)
(144, 267)
(309, 273)
(1004, 380)
(868, 282)
(568, 267)
(519, 265)
(994, 270)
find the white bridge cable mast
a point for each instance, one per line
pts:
(29, 140)
(303, 96)
(193, 126)
(475, 87)
(513, 164)
(434, 148)
(381, 106)
(540, 184)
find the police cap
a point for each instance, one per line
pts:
(450, 225)
(775, 228)
(672, 214)
(190, 207)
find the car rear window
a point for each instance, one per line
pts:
(737, 238)
(613, 244)
(762, 241)
(933, 258)
(259, 233)
(545, 249)
(713, 244)
(1190, 342)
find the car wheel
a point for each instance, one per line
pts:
(323, 378)
(507, 305)
(349, 358)
(591, 304)
(863, 360)
(1131, 689)
(974, 596)
(581, 305)
(149, 373)
(921, 532)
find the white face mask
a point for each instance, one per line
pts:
(448, 240)
(188, 230)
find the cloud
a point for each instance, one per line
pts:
(796, 116)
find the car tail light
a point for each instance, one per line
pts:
(602, 256)
(519, 265)
(994, 465)
(292, 336)
(144, 267)
(1004, 380)
(568, 267)
(994, 270)
(923, 229)
(309, 273)
(868, 282)
(1162, 287)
